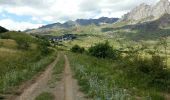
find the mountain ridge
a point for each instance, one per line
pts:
(78, 22)
(82, 22)
(145, 12)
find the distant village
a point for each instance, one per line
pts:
(64, 37)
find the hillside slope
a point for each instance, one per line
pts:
(2, 29)
(21, 57)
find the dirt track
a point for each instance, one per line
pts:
(71, 88)
(66, 89)
(41, 83)
(68, 82)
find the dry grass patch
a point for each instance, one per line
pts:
(8, 43)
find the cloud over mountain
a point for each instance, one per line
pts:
(63, 10)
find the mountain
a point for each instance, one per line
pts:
(144, 12)
(3, 29)
(162, 23)
(102, 20)
(69, 24)
(82, 22)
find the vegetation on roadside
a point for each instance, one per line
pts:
(103, 50)
(21, 58)
(137, 70)
(77, 49)
(45, 96)
(95, 77)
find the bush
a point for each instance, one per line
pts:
(152, 69)
(23, 44)
(103, 50)
(43, 47)
(77, 49)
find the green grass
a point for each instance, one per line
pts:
(19, 73)
(8, 43)
(107, 79)
(18, 66)
(45, 96)
(95, 77)
(18, 35)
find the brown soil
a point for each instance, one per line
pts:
(68, 88)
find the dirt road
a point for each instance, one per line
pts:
(70, 84)
(65, 89)
(41, 83)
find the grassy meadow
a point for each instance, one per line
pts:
(106, 79)
(21, 58)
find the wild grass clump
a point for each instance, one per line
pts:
(45, 96)
(153, 70)
(17, 74)
(95, 78)
(100, 89)
(77, 49)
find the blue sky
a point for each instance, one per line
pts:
(26, 14)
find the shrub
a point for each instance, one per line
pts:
(22, 44)
(43, 47)
(77, 49)
(153, 69)
(102, 50)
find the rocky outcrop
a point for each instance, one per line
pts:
(161, 8)
(140, 12)
(146, 12)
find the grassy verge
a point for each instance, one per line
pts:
(45, 96)
(95, 78)
(104, 79)
(20, 73)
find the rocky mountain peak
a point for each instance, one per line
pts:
(146, 12)
(143, 5)
(163, 4)
(163, 1)
(161, 8)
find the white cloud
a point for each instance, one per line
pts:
(12, 25)
(57, 9)
(63, 10)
